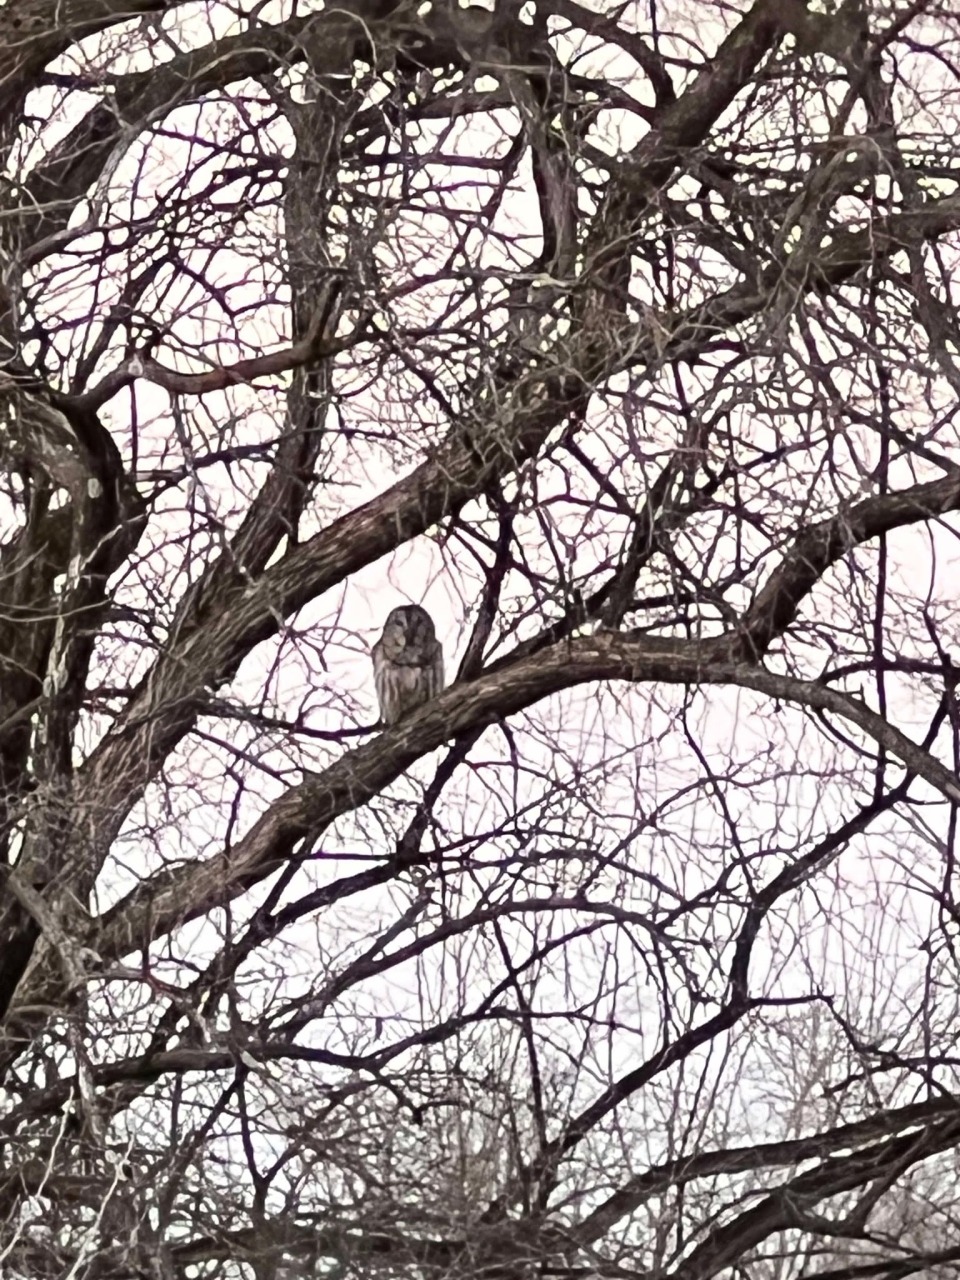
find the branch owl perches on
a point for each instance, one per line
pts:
(407, 662)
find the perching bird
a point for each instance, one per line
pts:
(407, 662)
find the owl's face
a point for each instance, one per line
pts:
(408, 627)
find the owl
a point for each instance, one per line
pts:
(407, 662)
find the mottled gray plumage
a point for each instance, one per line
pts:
(407, 662)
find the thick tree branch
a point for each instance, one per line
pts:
(35, 32)
(784, 1208)
(314, 346)
(765, 1155)
(173, 897)
(822, 545)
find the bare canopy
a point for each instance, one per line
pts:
(623, 340)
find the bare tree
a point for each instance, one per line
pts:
(625, 339)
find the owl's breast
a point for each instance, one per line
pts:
(412, 656)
